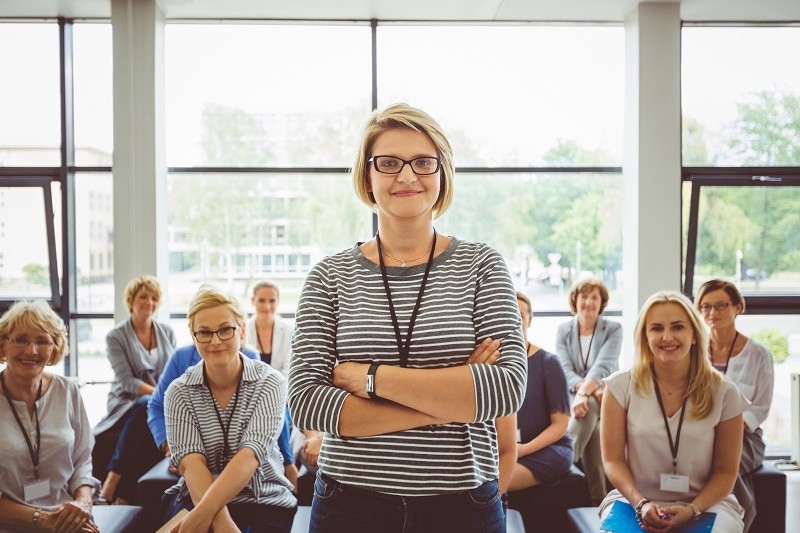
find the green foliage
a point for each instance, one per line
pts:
(776, 341)
(232, 137)
(36, 274)
(768, 129)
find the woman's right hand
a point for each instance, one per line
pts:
(485, 353)
(580, 406)
(655, 519)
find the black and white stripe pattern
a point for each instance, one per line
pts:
(193, 427)
(344, 314)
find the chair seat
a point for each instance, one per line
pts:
(584, 519)
(151, 488)
(302, 519)
(118, 518)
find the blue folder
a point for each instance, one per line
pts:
(622, 519)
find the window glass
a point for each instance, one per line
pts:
(25, 261)
(233, 230)
(92, 64)
(552, 229)
(265, 95)
(740, 99)
(94, 242)
(751, 236)
(30, 133)
(508, 95)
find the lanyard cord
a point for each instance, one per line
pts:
(34, 454)
(589, 350)
(728, 359)
(673, 446)
(405, 348)
(225, 428)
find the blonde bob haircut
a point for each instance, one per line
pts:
(35, 314)
(403, 116)
(208, 297)
(585, 286)
(702, 375)
(137, 284)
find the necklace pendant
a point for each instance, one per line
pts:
(403, 264)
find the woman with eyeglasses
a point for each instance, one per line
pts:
(223, 418)
(408, 412)
(588, 346)
(746, 362)
(46, 478)
(138, 349)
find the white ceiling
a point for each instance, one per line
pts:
(467, 10)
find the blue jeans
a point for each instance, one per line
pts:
(343, 508)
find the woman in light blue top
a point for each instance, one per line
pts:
(588, 347)
(138, 349)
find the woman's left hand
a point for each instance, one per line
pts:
(73, 516)
(196, 521)
(351, 377)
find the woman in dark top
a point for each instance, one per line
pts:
(545, 450)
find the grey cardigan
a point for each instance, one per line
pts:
(132, 366)
(605, 350)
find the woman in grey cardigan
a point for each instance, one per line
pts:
(138, 349)
(589, 348)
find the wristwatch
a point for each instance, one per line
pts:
(581, 392)
(695, 510)
(371, 381)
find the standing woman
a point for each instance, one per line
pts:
(223, 418)
(589, 348)
(747, 363)
(409, 425)
(46, 481)
(671, 426)
(138, 349)
(266, 332)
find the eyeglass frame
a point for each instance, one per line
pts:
(212, 333)
(719, 307)
(40, 345)
(374, 161)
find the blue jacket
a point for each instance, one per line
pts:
(182, 358)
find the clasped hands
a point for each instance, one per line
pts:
(73, 517)
(657, 519)
(352, 377)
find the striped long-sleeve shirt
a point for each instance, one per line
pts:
(343, 315)
(193, 427)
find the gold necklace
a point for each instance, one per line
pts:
(403, 263)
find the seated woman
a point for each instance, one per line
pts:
(223, 417)
(46, 478)
(588, 347)
(138, 349)
(544, 453)
(671, 426)
(266, 332)
(746, 362)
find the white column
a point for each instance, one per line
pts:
(140, 172)
(652, 159)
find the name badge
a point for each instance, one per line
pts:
(674, 483)
(519, 435)
(37, 490)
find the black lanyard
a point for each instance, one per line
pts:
(224, 427)
(728, 359)
(673, 446)
(589, 350)
(405, 348)
(34, 453)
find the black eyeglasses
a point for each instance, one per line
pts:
(720, 306)
(204, 336)
(389, 164)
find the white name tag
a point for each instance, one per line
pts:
(519, 435)
(37, 490)
(674, 483)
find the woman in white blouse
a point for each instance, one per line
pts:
(747, 363)
(266, 332)
(223, 417)
(46, 478)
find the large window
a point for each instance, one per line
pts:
(741, 185)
